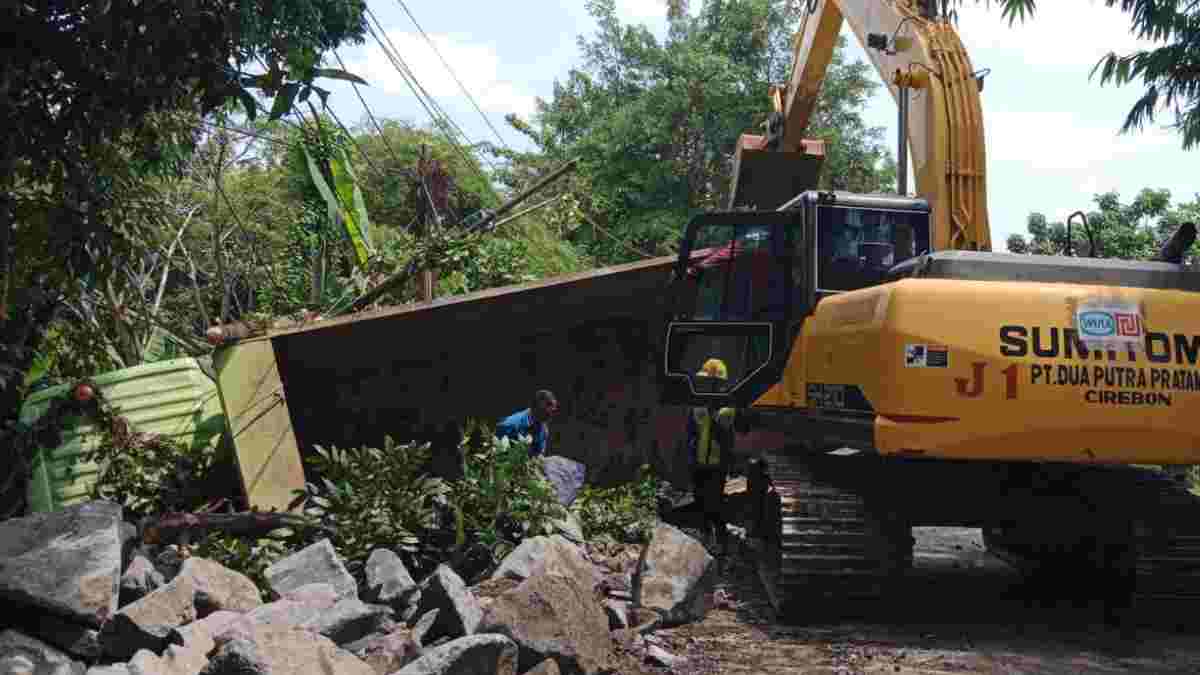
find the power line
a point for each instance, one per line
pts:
(449, 127)
(451, 71)
(370, 115)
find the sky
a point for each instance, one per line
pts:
(1052, 132)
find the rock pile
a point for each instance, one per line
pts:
(93, 601)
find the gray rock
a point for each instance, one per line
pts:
(147, 623)
(421, 628)
(566, 475)
(279, 650)
(169, 561)
(74, 638)
(389, 583)
(316, 563)
(552, 616)
(23, 655)
(661, 657)
(675, 573)
(113, 669)
(547, 667)
(387, 653)
(349, 620)
(554, 554)
(458, 609)
(471, 655)
(210, 626)
(139, 579)
(322, 595)
(188, 658)
(618, 614)
(67, 562)
(219, 588)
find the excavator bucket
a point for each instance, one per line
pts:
(765, 179)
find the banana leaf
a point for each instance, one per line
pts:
(358, 225)
(337, 214)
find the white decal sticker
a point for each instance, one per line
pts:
(1110, 325)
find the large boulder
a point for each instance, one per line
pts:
(675, 574)
(219, 588)
(553, 554)
(73, 638)
(555, 617)
(471, 655)
(316, 563)
(186, 658)
(389, 583)
(566, 475)
(20, 654)
(139, 579)
(458, 609)
(147, 623)
(280, 650)
(387, 653)
(349, 620)
(67, 562)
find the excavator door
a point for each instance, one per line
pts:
(741, 281)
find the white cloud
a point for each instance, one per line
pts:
(1062, 33)
(1059, 140)
(476, 65)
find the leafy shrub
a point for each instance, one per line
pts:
(621, 513)
(503, 495)
(370, 498)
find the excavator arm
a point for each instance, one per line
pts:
(923, 63)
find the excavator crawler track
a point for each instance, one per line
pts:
(828, 548)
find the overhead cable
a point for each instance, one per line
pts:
(451, 71)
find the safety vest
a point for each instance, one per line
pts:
(709, 439)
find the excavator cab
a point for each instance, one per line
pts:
(745, 281)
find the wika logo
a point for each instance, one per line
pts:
(1106, 324)
(1097, 324)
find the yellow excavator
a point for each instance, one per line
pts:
(921, 379)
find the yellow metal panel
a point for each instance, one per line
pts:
(991, 402)
(252, 395)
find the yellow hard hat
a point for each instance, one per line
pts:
(714, 368)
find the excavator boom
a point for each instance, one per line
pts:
(923, 63)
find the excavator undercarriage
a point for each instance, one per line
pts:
(836, 530)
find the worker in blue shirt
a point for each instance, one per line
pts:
(532, 421)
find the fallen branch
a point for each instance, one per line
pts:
(184, 528)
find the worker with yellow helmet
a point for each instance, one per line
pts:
(710, 440)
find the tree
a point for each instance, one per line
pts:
(96, 95)
(1132, 231)
(654, 124)
(1168, 72)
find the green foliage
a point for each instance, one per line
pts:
(623, 513)
(370, 498)
(1128, 231)
(251, 558)
(503, 496)
(654, 125)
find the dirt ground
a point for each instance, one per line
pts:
(963, 611)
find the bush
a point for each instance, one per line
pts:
(370, 498)
(623, 513)
(502, 498)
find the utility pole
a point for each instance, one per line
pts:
(428, 172)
